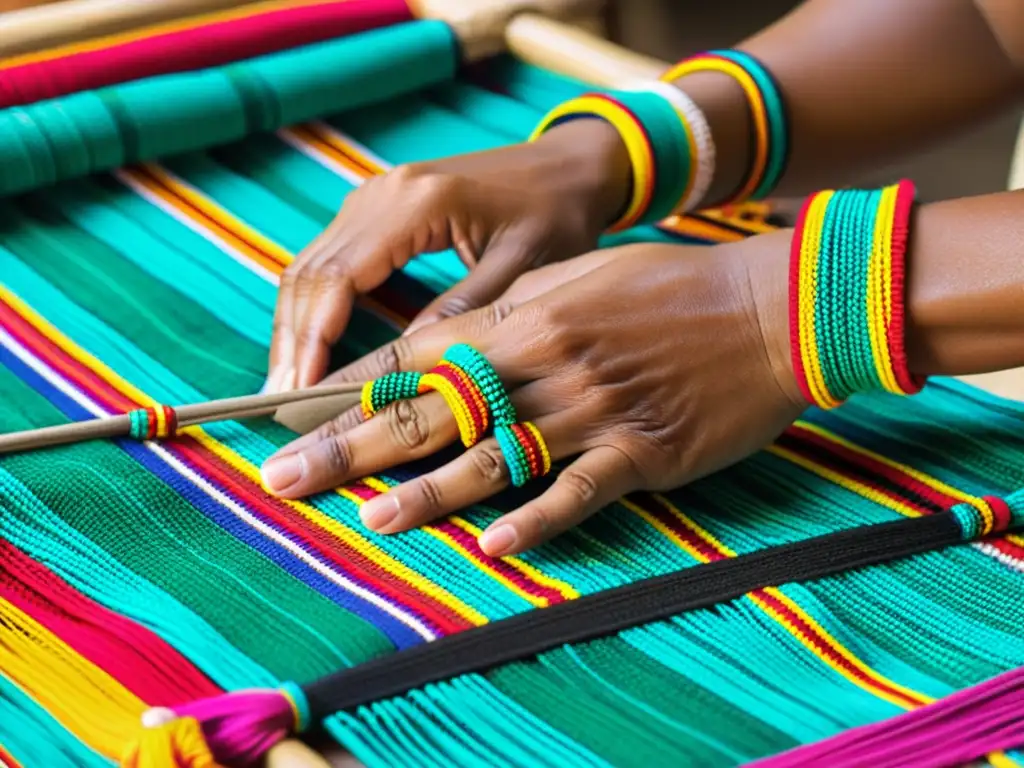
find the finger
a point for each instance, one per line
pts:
(492, 276)
(597, 478)
(539, 281)
(331, 455)
(324, 313)
(421, 351)
(475, 475)
(282, 340)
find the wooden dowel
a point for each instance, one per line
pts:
(62, 434)
(341, 396)
(572, 52)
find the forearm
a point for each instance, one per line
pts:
(864, 83)
(964, 294)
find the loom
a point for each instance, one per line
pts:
(849, 596)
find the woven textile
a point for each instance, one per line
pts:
(140, 574)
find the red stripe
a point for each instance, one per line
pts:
(1008, 548)
(895, 332)
(665, 516)
(354, 564)
(894, 475)
(209, 45)
(531, 449)
(796, 623)
(433, 611)
(468, 542)
(133, 655)
(795, 267)
(36, 342)
(7, 759)
(1000, 512)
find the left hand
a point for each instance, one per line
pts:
(654, 364)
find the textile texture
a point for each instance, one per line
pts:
(137, 574)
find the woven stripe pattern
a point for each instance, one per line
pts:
(148, 573)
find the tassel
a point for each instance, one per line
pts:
(177, 744)
(235, 729)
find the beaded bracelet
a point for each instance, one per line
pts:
(846, 288)
(661, 143)
(767, 110)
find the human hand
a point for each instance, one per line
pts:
(654, 364)
(504, 212)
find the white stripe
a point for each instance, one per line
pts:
(196, 227)
(243, 514)
(50, 375)
(344, 138)
(218, 496)
(694, 117)
(337, 168)
(1002, 557)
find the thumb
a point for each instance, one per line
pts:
(486, 282)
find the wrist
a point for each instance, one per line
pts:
(764, 265)
(586, 161)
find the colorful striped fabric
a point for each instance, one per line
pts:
(137, 574)
(194, 43)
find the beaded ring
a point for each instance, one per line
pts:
(482, 373)
(767, 110)
(157, 422)
(379, 393)
(464, 397)
(525, 452)
(846, 294)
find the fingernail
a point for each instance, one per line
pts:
(287, 381)
(497, 541)
(270, 386)
(379, 512)
(284, 472)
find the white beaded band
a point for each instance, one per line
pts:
(699, 128)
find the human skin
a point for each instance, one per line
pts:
(654, 364)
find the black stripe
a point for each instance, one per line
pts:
(604, 613)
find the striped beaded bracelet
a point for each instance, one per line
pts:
(767, 110)
(156, 423)
(664, 138)
(846, 287)
(525, 452)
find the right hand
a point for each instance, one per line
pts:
(504, 212)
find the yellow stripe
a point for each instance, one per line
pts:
(632, 135)
(220, 215)
(250, 471)
(757, 109)
(179, 25)
(565, 589)
(72, 349)
(845, 482)
(343, 533)
(879, 289)
(83, 698)
(327, 135)
(833, 643)
(807, 298)
(839, 648)
(562, 587)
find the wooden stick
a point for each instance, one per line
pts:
(341, 396)
(71, 21)
(572, 52)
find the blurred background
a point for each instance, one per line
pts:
(669, 29)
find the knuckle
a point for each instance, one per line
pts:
(338, 448)
(540, 522)
(392, 356)
(489, 464)
(407, 426)
(455, 305)
(431, 496)
(501, 310)
(580, 484)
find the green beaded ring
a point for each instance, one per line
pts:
(486, 378)
(515, 456)
(380, 393)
